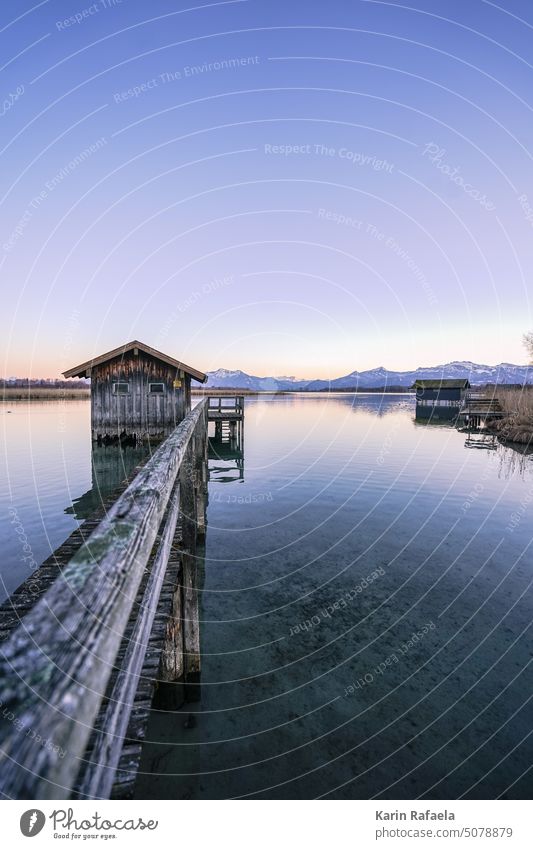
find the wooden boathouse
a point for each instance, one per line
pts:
(137, 393)
(439, 399)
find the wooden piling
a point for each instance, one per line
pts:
(180, 667)
(169, 693)
(191, 630)
(201, 449)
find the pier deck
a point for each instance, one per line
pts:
(110, 618)
(14, 609)
(227, 412)
(226, 408)
(477, 408)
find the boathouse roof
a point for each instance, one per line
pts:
(441, 384)
(81, 370)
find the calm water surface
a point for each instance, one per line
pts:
(49, 480)
(313, 683)
(365, 605)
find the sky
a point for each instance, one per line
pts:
(287, 188)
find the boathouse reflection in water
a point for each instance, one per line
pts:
(111, 466)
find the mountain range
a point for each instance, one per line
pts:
(374, 378)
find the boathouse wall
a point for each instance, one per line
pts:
(439, 400)
(137, 396)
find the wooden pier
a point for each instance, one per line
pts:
(477, 408)
(227, 444)
(113, 620)
(227, 412)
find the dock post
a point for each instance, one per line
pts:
(169, 693)
(180, 660)
(191, 625)
(201, 453)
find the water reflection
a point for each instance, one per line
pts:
(226, 452)
(482, 440)
(378, 403)
(111, 465)
(515, 460)
(336, 488)
(339, 488)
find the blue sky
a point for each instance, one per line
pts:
(287, 188)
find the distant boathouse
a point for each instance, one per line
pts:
(137, 393)
(439, 399)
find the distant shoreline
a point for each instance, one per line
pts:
(231, 393)
(40, 393)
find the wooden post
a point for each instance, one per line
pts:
(169, 694)
(201, 482)
(191, 627)
(180, 663)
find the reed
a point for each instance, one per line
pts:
(41, 393)
(517, 404)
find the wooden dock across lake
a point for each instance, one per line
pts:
(228, 414)
(477, 408)
(107, 621)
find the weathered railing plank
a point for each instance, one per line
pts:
(57, 663)
(105, 756)
(191, 635)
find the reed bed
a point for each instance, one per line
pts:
(517, 403)
(41, 393)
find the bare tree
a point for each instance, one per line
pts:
(528, 344)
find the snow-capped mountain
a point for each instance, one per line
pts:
(224, 379)
(374, 378)
(475, 373)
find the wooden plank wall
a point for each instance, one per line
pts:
(140, 413)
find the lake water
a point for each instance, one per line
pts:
(49, 480)
(365, 606)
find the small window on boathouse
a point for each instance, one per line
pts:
(121, 389)
(157, 388)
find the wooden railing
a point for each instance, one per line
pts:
(227, 404)
(56, 666)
